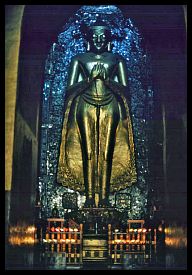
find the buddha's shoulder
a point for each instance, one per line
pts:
(90, 55)
(119, 57)
(81, 56)
(114, 56)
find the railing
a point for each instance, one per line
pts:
(66, 241)
(132, 242)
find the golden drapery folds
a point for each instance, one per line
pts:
(71, 172)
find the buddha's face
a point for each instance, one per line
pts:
(99, 38)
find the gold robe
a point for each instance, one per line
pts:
(70, 166)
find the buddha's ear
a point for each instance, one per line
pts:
(88, 46)
(109, 46)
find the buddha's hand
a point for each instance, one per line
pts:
(98, 72)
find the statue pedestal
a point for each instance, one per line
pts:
(95, 248)
(96, 220)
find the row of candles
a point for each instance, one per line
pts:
(63, 229)
(62, 235)
(61, 240)
(133, 236)
(69, 241)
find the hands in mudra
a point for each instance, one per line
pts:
(98, 72)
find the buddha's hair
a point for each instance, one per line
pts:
(87, 31)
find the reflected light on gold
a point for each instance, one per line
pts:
(22, 235)
(176, 237)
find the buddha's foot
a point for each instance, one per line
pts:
(89, 203)
(104, 203)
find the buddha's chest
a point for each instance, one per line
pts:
(90, 61)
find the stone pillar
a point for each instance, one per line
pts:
(13, 20)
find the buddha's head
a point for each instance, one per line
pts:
(97, 36)
(100, 36)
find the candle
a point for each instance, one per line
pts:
(64, 240)
(127, 236)
(139, 235)
(149, 230)
(132, 236)
(52, 236)
(155, 236)
(47, 236)
(144, 235)
(58, 237)
(75, 236)
(69, 236)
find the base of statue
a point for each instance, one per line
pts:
(95, 238)
(96, 220)
(95, 248)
